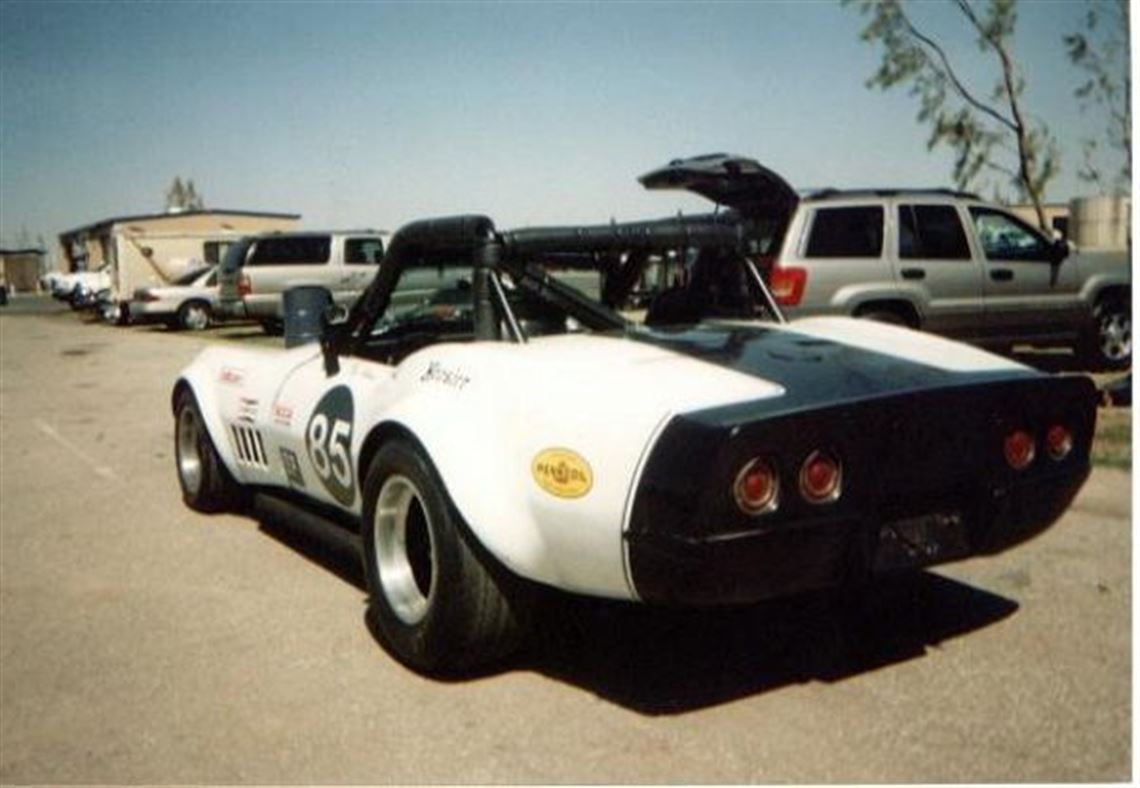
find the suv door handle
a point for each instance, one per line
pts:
(1001, 275)
(913, 273)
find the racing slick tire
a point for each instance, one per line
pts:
(194, 316)
(207, 485)
(437, 601)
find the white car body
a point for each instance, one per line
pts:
(545, 394)
(506, 420)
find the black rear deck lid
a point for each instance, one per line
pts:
(735, 181)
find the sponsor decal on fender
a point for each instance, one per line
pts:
(283, 415)
(562, 472)
(437, 373)
(231, 375)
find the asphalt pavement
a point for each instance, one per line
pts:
(141, 642)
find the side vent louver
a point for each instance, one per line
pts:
(249, 446)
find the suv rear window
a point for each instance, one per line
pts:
(931, 232)
(291, 250)
(363, 251)
(847, 232)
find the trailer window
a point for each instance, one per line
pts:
(214, 251)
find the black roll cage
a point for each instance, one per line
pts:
(620, 250)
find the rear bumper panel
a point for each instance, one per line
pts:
(826, 552)
(925, 482)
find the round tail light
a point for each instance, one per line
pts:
(757, 488)
(1058, 442)
(821, 478)
(1020, 449)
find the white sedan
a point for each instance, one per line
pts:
(189, 303)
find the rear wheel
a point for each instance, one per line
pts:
(194, 316)
(437, 601)
(207, 485)
(886, 314)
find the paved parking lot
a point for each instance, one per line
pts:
(141, 642)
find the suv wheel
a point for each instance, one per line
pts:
(895, 316)
(1110, 343)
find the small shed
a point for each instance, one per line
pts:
(21, 269)
(151, 249)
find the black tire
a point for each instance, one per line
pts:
(437, 601)
(885, 316)
(195, 316)
(1109, 344)
(273, 327)
(207, 485)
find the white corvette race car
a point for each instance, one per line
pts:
(486, 426)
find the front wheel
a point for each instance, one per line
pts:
(207, 485)
(437, 601)
(1110, 343)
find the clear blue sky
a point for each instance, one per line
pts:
(371, 114)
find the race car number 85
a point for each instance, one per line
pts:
(334, 457)
(328, 439)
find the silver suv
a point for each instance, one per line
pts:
(256, 272)
(939, 260)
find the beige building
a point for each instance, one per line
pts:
(1102, 222)
(21, 269)
(1056, 214)
(153, 249)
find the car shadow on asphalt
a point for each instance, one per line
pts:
(663, 662)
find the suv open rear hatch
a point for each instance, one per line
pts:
(733, 181)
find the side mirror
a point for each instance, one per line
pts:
(1059, 250)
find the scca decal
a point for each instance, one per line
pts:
(328, 439)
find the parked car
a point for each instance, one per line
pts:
(79, 288)
(943, 261)
(188, 303)
(256, 272)
(506, 430)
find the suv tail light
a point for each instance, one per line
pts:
(245, 286)
(787, 284)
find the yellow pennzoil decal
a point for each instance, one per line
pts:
(562, 473)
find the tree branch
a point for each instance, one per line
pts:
(957, 83)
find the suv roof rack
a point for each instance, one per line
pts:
(822, 194)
